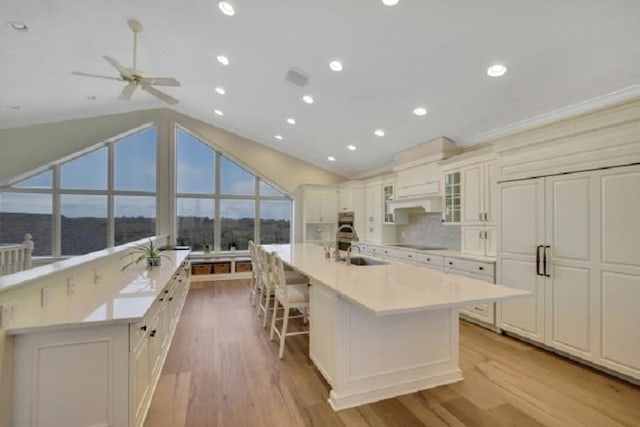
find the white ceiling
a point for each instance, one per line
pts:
(421, 52)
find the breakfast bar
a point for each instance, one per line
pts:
(385, 329)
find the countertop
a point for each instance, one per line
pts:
(123, 299)
(394, 287)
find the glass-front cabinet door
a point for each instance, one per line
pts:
(387, 194)
(451, 212)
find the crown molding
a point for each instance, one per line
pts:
(589, 105)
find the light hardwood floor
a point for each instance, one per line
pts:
(222, 370)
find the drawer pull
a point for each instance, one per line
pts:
(166, 291)
(410, 256)
(480, 268)
(170, 298)
(143, 328)
(153, 333)
(450, 263)
(161, 299)
(428, 259)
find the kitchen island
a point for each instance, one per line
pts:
(379, 331)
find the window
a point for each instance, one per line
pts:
(88, 210)
(210, 184)
(22, 213)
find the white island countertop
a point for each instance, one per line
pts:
(125, 298)
(393, 287)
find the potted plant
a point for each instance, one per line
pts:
(206, 248)
(149, 252)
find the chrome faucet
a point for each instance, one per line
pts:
(336, 254)
(348, 260)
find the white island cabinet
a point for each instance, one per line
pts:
(384, 330)
(97, 363)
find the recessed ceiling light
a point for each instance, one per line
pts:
(18, 25)
(390, 2)
(308, 99)
(497, 70)
(291, 121)
(218, 112)
(223, 60)
(420, 111)
(331, 159)
(13, 106)
(91, 97)
(379, 132)
(279, 137)
(227, 8)
(335, 65)
(351, 147)
(220, 90)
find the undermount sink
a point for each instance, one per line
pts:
(360, 261)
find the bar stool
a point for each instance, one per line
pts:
(253, 287)
(290, 296)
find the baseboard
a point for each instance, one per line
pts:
(349, 401)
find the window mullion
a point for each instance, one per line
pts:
(217, 224)
(56, 226)
(256, 213)
(110, 197)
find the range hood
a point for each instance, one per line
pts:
(418, 180)
(425, 204)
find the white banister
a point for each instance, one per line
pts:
(16, 257)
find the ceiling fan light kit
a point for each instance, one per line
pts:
(134, 77)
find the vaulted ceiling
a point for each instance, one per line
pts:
(561, 56)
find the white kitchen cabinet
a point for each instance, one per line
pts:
(479, 186)
(452, 198)
(373, 212)
(97, 373)
(320, 206)
(345, 199)
(479, 240)
(573, 240)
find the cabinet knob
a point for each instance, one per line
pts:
(153, 333)
(450, 263)
(171, 298)
(410, 256)
(480, 268)
(166, 291)
(161, 299)
(143, 328)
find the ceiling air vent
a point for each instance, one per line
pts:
(297, 77)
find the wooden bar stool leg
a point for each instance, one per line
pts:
(283, 333)
(273, 320)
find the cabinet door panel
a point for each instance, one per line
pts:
(473, 240)
(620, 320)
(568, 311)
(491, 191)
(568, 217)
(522, 218)
(620, 215)
(491, 241)
(322, 337)
(524, 316)
(472, 194)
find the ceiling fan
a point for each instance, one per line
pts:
(133, 76)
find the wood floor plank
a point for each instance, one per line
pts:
(222, 370)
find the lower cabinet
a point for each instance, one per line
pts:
(102, 375)
(484, 312)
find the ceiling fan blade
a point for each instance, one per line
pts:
(123, 71)
(159, 81)
(160, 95)
(127, 92)
(79, 73)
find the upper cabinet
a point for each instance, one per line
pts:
(320, 205)
(471, 182)
(479, 187)
(452, 195)
(416, 170)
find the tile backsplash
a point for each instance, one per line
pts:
(427, 229)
